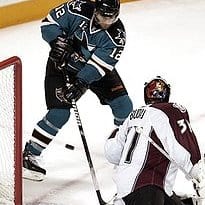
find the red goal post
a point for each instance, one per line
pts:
(11, 131)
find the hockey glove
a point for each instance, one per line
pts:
(198, 174)
(75, 90)
(61, 50)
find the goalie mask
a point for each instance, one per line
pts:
(156, 91)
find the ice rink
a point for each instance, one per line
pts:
(164, 37)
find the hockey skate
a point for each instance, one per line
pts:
(31, 167)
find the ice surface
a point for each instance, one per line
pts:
(164, 37)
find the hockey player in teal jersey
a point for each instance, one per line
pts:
(86, 40)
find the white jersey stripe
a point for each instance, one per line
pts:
(50, 21)
(102, 63)
(100, 70)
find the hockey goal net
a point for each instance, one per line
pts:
(11, 131)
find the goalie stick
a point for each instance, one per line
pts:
(198, 200)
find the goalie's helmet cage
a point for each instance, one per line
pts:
(156, 90)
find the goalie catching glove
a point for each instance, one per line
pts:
(198, 174)
(61, 50)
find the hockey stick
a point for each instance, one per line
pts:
(199, 200)
(166, 154)
(169, 157)
(80, 127)
(92, 171)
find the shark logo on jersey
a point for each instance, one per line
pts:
(77, 5)
(83, 38)
(80, 41)
(120, 38)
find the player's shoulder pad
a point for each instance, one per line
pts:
(117, 33)
(170, 107)
(162, 106)
(180, 107)
(81, 7)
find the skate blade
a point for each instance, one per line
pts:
(32, 175)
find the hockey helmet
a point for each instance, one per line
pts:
(156, 90)
(108, 8)
(106, 11)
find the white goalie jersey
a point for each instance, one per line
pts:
(138, 162)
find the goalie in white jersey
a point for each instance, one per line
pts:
(144, 175)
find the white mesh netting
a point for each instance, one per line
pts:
(7, 136)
